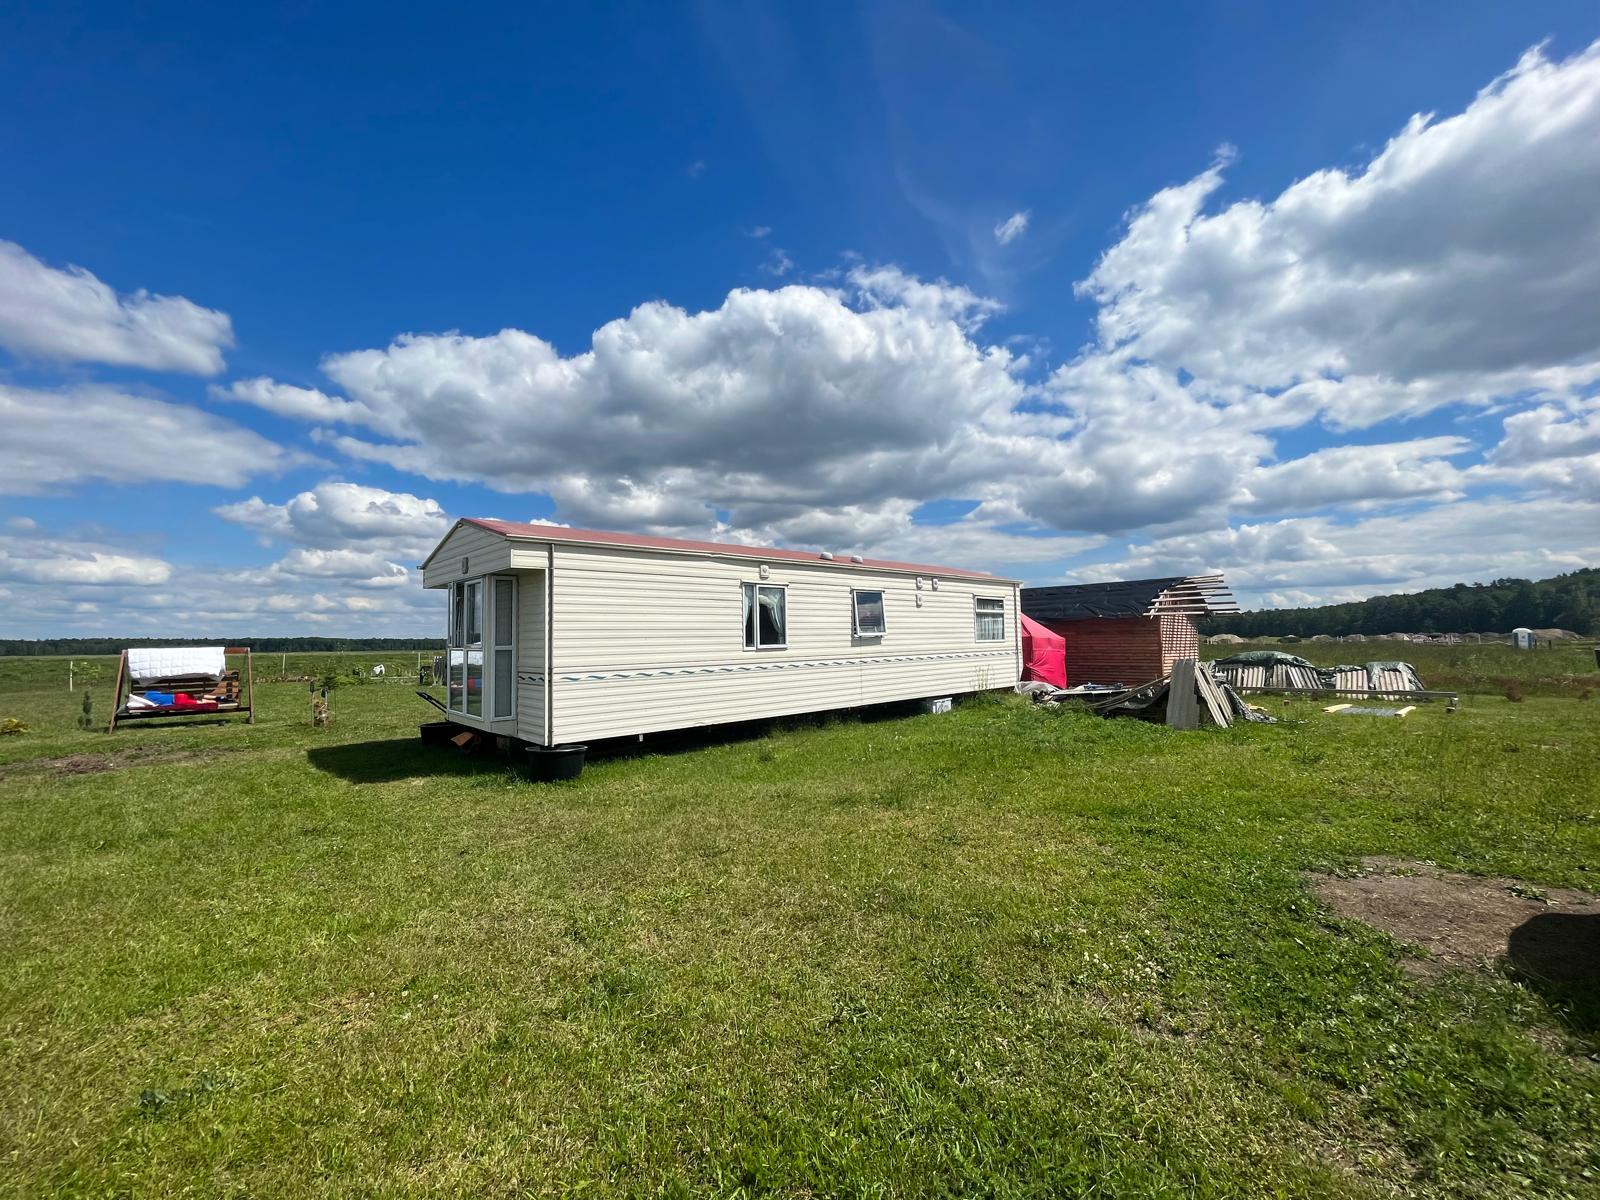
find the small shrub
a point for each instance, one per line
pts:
(86, 717)
(13, 726)
(1514, 693)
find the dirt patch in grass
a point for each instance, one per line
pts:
(1551, 934)
(100, 762)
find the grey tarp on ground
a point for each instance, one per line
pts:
(1393, 677)
(1271, 668)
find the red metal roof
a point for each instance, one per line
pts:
(598, 537)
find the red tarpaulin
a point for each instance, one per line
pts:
(1044, 655)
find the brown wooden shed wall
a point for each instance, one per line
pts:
(1129, 650)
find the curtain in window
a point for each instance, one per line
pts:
(771, 616)
(989, 617)
(763, 615)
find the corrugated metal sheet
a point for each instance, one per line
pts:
(1082, 601)
(1390, 678)
(1285, 675)
(1350, 678)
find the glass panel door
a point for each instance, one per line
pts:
(473, 647)
(505, 652)
(464, 681)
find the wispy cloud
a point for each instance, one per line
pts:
(778, 263)
(1013, 227)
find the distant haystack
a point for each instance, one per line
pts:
(1321, 637)
(1225, 639)
(1354, 637)
(1555, 635)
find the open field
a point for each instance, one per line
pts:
(1005, 951)
(1566, 669)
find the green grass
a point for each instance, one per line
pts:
(1566, 669)
(1005, 951)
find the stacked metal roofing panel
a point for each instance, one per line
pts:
(1190, 595)
(1239, 675)
(1288, 675)
(1261, 669)
(1349, 678)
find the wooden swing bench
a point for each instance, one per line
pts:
(150, 682)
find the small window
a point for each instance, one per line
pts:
(867, 608)
(765, 621)
(989, 619)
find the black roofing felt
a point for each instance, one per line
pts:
(1121, 598)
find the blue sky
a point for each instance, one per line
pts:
(1064, 294)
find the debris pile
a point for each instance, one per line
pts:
(1270, 670)
(1189, 697)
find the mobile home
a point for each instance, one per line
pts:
(559, 636)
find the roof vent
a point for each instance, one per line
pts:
(827, 554)
(857, 558)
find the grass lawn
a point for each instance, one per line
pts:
(1564, 669)
(1004, 951)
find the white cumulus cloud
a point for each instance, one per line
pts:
(1462, 263)
(44, 560)
(56, 438)
(339, 515)
(286, 400)
(69, 315)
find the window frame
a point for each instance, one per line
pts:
(501, 642)
(458, 650)
(855, 613)
(978, 614)
(755, 599)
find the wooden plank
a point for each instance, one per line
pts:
(1182, 710)
(1407, 709)
(116, 695)
(250, 687)
(1337, 707)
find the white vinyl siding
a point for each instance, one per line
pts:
(645, 640)
(485, 553)
(532, 685)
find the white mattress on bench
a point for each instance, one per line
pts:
(163, 662)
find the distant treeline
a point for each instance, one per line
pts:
(1570, 601)
(270, 645)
